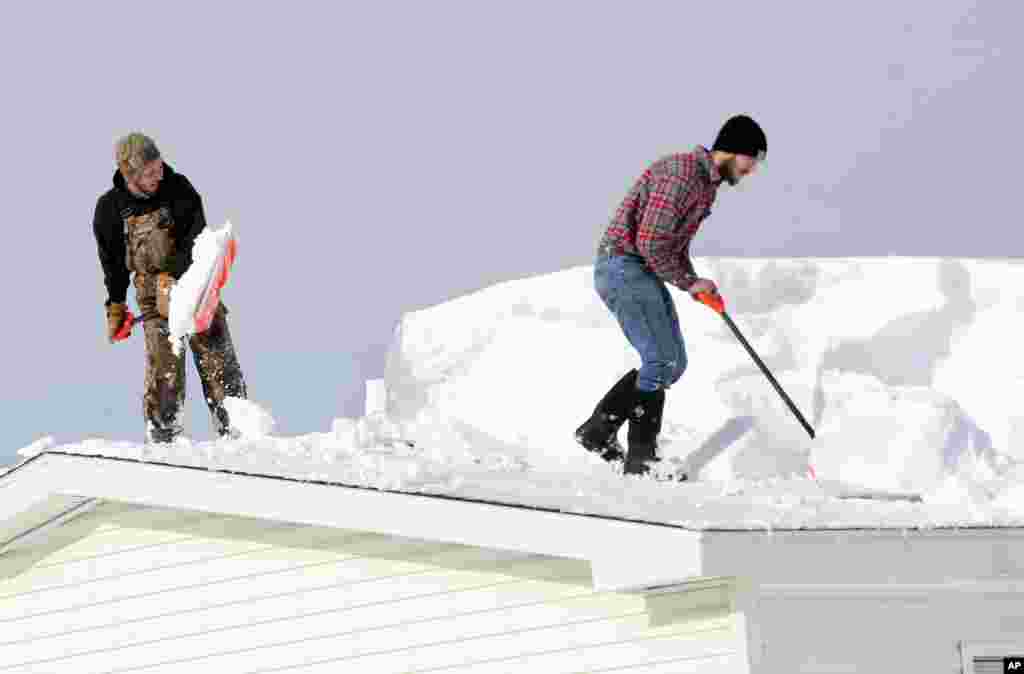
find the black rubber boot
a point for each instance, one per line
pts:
(644, 426)
(599, 433)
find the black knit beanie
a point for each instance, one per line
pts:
(742, 135)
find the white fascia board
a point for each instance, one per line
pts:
(990, 589)
(884, 557)
(26, 528)
(25, 503)
(623, 554)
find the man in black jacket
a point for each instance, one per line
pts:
(145, 225)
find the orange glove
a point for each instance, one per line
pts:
(702, 285)
(116, 314)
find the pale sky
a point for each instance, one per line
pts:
(378, 158)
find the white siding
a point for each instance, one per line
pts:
(895, 629)
(130, 589)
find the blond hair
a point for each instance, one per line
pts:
(133, 151)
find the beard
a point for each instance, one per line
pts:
(728, 171)
(146, 193)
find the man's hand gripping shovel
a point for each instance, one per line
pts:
(125, 332)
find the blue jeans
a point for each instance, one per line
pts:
(642, 305)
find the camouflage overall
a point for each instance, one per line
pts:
(149, 248)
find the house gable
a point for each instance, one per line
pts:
(126, 586)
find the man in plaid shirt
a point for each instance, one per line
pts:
(646, 245)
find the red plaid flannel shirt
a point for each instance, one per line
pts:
(662, 213)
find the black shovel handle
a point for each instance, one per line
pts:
(718, 304)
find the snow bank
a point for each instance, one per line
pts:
(906, 367)
(869, 349)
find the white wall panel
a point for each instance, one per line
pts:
(156, 591)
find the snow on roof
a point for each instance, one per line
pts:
(906, 367)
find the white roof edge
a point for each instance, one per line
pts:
(668, 554)
(624, 555)
(32, 531)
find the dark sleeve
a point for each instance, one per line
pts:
(190, 220)
(108, 229)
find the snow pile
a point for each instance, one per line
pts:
(248, 420)
(898, 437)
(872, 351)
(906, 367)
(187, 292)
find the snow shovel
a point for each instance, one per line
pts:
(208, 301)
(718, 304)
(210, 297)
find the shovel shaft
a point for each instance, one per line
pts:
(716, 302)
(767, 373)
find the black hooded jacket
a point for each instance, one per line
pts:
(186, 208)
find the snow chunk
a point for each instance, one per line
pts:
(248, 420)
(187, 292)
(38, 447)
(889, 437)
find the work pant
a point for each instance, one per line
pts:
(219, 372)
(644, 309)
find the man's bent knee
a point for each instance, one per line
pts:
(678, 368)
(655, 376)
